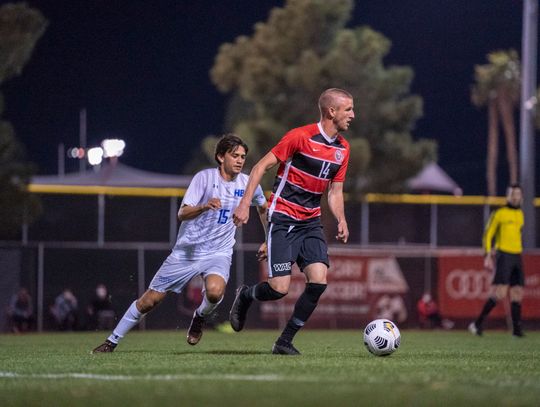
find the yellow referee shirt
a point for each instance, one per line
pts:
(505, 226)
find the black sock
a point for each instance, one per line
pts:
(262, 292)
(304, 307)
(488, 306)
(516, 315)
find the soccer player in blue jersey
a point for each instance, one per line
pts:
(204, 244)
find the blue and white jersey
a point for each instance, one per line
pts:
(212, 232)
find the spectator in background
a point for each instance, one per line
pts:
(428, 313)
(20, 311)
(64, 310)
(100, 310)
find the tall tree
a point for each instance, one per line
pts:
(20, 29)
(276, 75)
(498, 87)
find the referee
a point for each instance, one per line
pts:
(505, 226)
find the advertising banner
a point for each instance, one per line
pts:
(359, 289)
(464, 285)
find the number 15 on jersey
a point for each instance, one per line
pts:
(223, 215)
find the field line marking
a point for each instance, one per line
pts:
(174, 377)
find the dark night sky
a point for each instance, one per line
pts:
(141, 70)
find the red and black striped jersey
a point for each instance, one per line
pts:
(309, 162)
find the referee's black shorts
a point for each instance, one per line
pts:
(301, 244)
(508, 269)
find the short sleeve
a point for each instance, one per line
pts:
(340, 175)
(258, 198)
(195, 191)
(287, 146)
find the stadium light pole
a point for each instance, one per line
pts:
(82, 137)
(529, 43)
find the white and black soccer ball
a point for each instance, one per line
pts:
(382, 337)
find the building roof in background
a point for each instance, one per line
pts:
(433, 178)
(116, 175)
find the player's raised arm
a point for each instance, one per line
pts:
(336, 204)
(241, 213)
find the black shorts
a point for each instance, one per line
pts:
(301, 244)
(508, 269)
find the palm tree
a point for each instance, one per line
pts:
(498, 86)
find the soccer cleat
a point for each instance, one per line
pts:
(195, 332)
(239, 309)
(105, 347)
(475, 329)
(284, 348)
(518, 333)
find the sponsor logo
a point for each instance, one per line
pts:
(468, 284)
(385, 277)
(282, 266)
(239, 192)
(339, 156)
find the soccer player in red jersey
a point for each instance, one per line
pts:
(311, 159)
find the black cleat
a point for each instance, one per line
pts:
(518, 333)
(239, 309)
(105, 347)
(195, 332)
(475, 329)
(284, 348)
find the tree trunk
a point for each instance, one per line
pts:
(492, 148)
(506, 109)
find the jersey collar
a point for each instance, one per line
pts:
(326, 136)
(223, 179)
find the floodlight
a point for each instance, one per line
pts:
(113, 147)
(95, 155)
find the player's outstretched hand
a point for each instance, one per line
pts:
(262, 253)
(343, 232)
(241, 215)
(213, 204)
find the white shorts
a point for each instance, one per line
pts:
(175, 273)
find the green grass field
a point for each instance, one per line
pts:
(160, 368)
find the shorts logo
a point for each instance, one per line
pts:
(282, 266)
(339, 156)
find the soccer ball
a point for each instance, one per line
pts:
(382, 337)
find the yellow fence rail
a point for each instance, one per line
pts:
(179, 192)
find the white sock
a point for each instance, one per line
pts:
(207, 307)
(131, 318)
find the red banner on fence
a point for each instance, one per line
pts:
(359, 289)
(464, 286)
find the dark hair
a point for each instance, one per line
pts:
(228, 143)
(512, 186)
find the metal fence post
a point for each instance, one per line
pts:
(173, 219)
(433, 225)
(140, 279)
(364, 225)
(239, 257)
(40, 279)
(101, 220)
